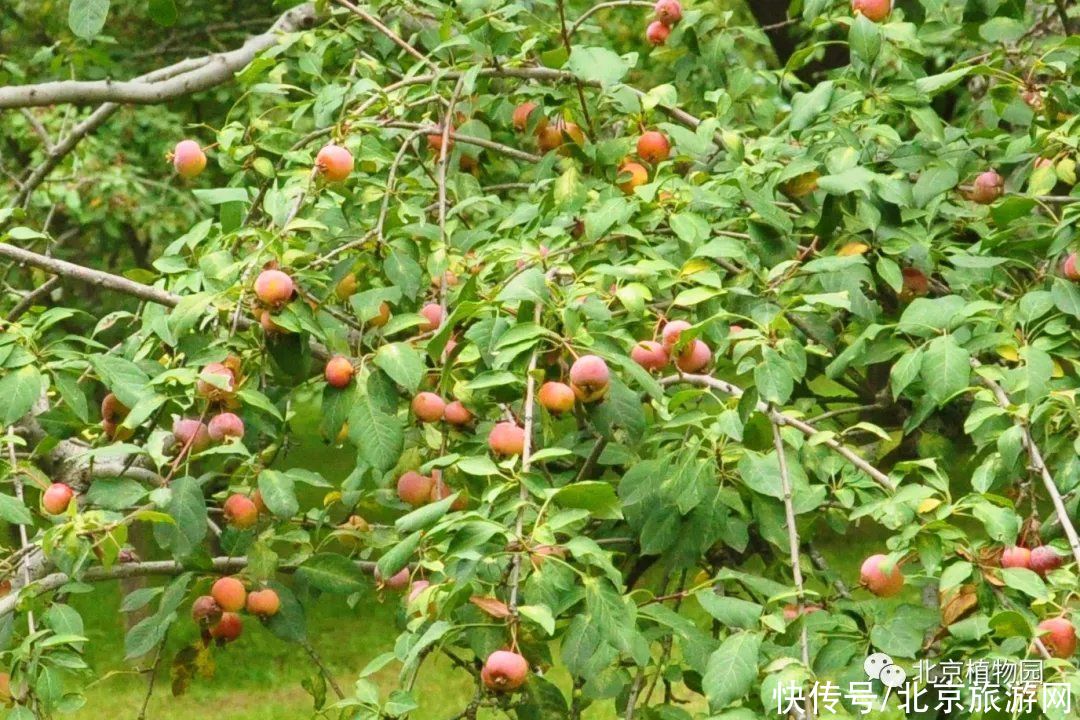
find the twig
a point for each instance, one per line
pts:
(444, 151)
(378, 25)
(561, 4)
(32, 297)
(602, 6)
(468, 140)
(793, 543)
(306, 644)
(24, 541)
(38, 128)
(1037, 463)
(777, 417)
(385, 206)
(153, 675)
(526, 457)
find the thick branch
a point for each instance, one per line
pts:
(219, 565)
(781, 419)
(216, 70)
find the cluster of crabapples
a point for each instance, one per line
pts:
(881, 575)
(218, 614)
(668, 14)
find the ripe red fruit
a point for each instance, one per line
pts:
(876, 10)
(650, 355)
(113, 413)
(1016, 557)
(257, 501)
(1044, 559)
(228, 628)
(638, 176)
(205, 610)
(228, 593)
(915, 283)
(653, 146)
(657, 33)
(791, 611)
(434, 140)
(1059, 637)
(521, 117)
(1069, 268)
(987, 188)
(504, 671)
(433, 312)
(274, 287)
(589, 377)
(188, 158)
(440, 491)
(226, 382)
(694, 357)
(334, 162)
(554, 135)
(192, 434)
(225, 425)
(414, 488)
(56, 498)
(339, 371)
(556, 397)
(266, 319)
(398, 581)
(671, 332)
(506, 438)
(264, 603)
(668, 12)
(240, 512)
(428, 407)
(416, 588)
(880, 576)
(5, 688)
(457, 414)
(382, 318)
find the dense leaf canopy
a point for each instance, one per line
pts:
(862, 225)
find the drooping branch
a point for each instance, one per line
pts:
(1038, 463)
(781, 419)
(218, 566)
(214, 70)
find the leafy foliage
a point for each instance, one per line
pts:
(891, 340)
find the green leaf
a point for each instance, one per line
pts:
(773, 378)
(805, 107)
(424, 516)
(188, 509)
(332, 573)
(529, 286)
(163, 12)
(379, 435)
(1066, 297)
(934, 181)
(729, 610)
(597, 64)
(865, 39)
(86, 18)
(19, 391)
(398, 556)
(124, 378)
(932, 85)
(278, 493)
(732, 669)
(597, 497)
(402, 363)
(13, 511)
(1025, 581)
(946, 368)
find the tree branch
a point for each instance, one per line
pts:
(1037, 463)
(215, 70)
(219, 565)
(781, 419)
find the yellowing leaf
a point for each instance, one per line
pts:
(853, 248)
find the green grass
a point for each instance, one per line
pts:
(258, 676)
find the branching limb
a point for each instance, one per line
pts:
(215, 70)
(378, 25)
(310, 650)
(1038, 464)
(781, 419)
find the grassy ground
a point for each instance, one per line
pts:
(258, 676)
